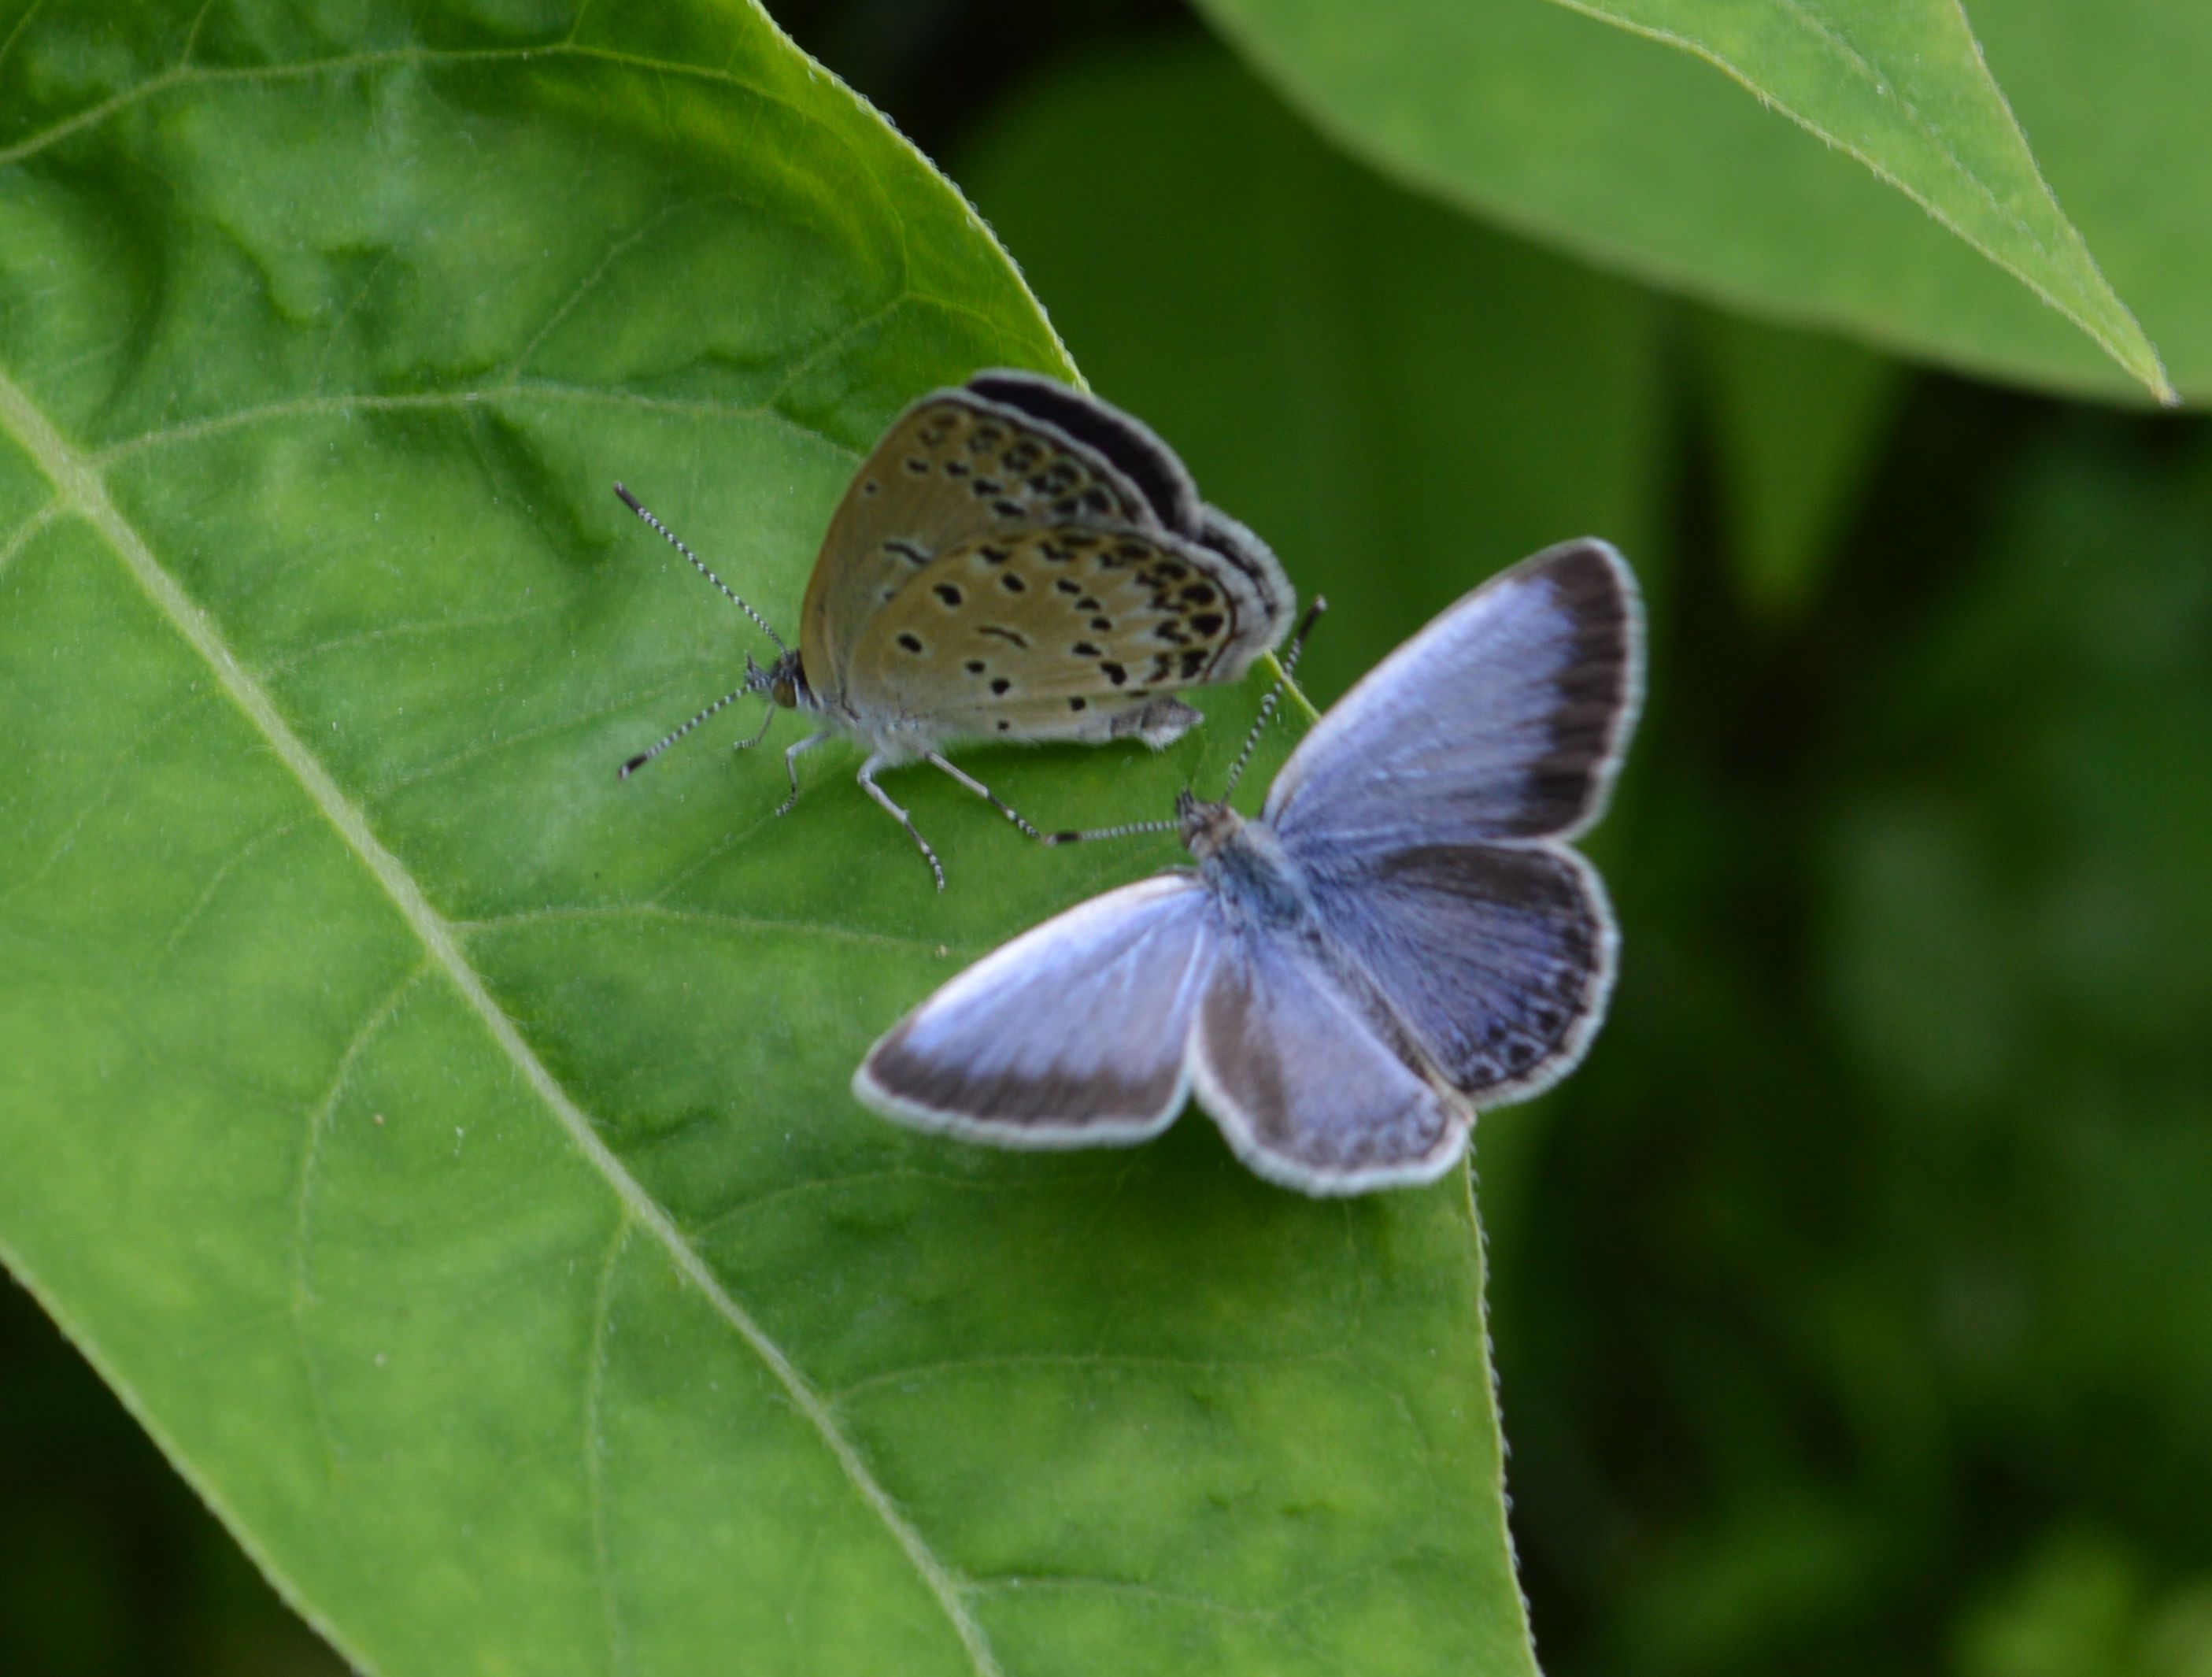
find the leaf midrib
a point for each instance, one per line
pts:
(79, 488)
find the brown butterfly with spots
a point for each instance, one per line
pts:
(1016, 561)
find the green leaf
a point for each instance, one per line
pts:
(1600, 137)
(443, 1148)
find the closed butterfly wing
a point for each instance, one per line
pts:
(1133, 451)
(960, 466)
(1065, 631)
(1311, 1078)
(1072, 1034)
(1146, 464)
(1504, 719)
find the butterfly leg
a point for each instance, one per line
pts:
(868, 780)
(988, 797)
(759, 733)
(791, 766)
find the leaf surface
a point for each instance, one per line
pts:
(1583, 124)
(443, 1148)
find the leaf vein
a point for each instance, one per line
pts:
(28, 532)
(303, 1290)
(75, 477)
(595, 1438)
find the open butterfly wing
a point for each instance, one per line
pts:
(1072, 1034)
(1307, 1076)
(1504, 720)
(1499, 959)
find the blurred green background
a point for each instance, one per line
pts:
(1853, 1306)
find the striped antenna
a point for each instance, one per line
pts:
(676, 542)
(752, 685)
(1090, 833)
(1274, 693)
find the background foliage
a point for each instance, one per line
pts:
(1852, 1305)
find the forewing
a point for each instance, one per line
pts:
(1311, 1081)
(1135, 451)
(1019, 635)
(954, 468)
(1499, 960)
(1072, 1034)
(1505, 719)
(1132, 447)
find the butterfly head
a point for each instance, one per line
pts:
(783, 681)
(1203, 826)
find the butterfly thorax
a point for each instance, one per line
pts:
(1241, 862)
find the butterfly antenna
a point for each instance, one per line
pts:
(1127, 831)
(676, 542)
(1274, 693)
(752, 685)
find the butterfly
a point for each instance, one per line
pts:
(1401, 935)
(1015, 559)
